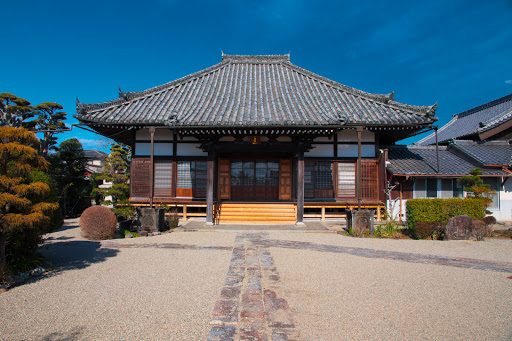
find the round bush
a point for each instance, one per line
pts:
(490, 220)
(98, 223)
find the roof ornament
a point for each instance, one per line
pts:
(80, 107)
(172, 119)
(481, 124)
(390, 97)
(342, 118)
(122, 94)
(432, 109)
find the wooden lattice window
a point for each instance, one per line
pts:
(192, 178)
(140, 176)
(163, 178)
(346, 180)
(369, 180)
(318, 180)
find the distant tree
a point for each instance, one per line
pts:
(21, 207)
(15, 111)
(68, 168)
(473, 184)
(117, 172)
(50, 120)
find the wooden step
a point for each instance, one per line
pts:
(259, 222)
(256, 210)
(256, 213)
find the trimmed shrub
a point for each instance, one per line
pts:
(440, 210)
(429, 230)
(173, 220)
(98, 223)
(489, 220)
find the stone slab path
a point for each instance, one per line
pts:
(249, 307)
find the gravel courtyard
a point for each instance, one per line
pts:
(270, 285)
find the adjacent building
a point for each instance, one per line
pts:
(476, 138)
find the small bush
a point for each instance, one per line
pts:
(441, 210)
(173, 220)
(98, 223)
(489, 220)
(389, 229)
(429, 230)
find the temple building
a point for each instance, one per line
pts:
(257, 139)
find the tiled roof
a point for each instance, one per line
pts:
(94, 154)
(259, 91)
(473, 121)
(496, 121)
(422, 160)
(487, 153)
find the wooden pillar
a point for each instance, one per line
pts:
(300, 185)
(152, 173)
(359, 132)
(209, 185)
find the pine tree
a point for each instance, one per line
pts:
(14, 111)
(51, 121)
(116, 171)
(68, 168)
(21, 206)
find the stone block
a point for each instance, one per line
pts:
(459, 228)
(481, 230)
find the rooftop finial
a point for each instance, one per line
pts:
(122, 94)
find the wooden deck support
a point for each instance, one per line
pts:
(359, 168)
(300, 185)
(152, 172)
(209, 185)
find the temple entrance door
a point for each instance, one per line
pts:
(255, 180)
(225, 179)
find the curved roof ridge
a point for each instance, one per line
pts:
(387, 99)
(485, 106)
(495, 121)
(431, 136)
(256, 59)
(127, 96)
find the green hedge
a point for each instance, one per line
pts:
(440, 210)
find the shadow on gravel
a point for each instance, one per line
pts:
(73, 334)
(70, 255)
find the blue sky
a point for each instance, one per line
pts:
(457, 53)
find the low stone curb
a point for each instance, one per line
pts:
(22, 277)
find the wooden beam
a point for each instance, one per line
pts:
(300, 184)
(209, 185)
(152, 173)
(359, 168)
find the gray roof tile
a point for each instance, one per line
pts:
(497, 153)
(473, 121)
(254, 91)
(422, 160)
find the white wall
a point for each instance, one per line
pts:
(160, 134)
(190, 149)
(350, 150)
(321, 150)
(505, 211)
(350, 135)
(161, 149)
